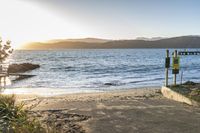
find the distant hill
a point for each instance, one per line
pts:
(149, 39)
(86, 40)
(92, 43)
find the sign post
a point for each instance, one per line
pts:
(175, 70)
(167, 66)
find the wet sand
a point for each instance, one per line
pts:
(131, 111)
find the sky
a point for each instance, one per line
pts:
(24, 21)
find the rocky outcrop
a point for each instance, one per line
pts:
(22, 77)
(20, 68)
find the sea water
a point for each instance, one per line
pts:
(91, 70)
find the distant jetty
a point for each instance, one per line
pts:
(189, 53)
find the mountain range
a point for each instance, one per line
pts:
(95, 43)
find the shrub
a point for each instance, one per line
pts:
(16, 120)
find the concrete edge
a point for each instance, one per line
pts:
(170, 94)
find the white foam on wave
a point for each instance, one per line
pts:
(46, 92)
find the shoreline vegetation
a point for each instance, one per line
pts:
(109, 112)
(189, 89)
(13, 118)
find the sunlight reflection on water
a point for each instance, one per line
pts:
(100, 69)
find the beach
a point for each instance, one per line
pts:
(99, 66)
(142, 110)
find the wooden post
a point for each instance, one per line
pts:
(181, 77)
(166, 69)
(175, 55)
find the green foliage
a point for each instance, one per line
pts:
(16, 120)
(188, 89)
(5, 50)
(195, 94)
(181, 89)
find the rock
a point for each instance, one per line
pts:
(21, 77)
(17, 68)
(61, 121)
(189, 83)
(109, 84)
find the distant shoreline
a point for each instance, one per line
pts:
(175, 42)
(63, 49)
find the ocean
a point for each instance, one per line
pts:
(94, 70)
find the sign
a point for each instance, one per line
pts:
(167, 62)
(175, 65)
(175, 71)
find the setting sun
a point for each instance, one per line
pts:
(23, 22)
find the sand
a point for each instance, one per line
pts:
(131, 111)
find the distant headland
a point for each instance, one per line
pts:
(95, 43)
